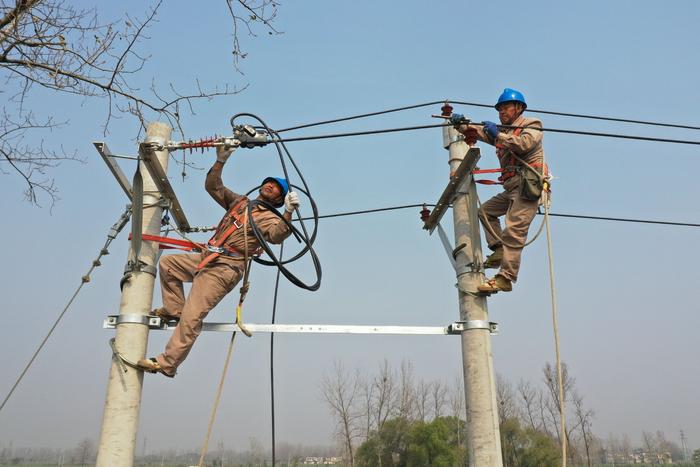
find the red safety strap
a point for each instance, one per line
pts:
(494, 182)
(173, 243)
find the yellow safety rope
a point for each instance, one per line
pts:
(555, 323)
(239, 321)
(220, 389)
(246, 285)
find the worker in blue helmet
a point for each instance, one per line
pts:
(217, 269)
(518, 142)
(283, 186)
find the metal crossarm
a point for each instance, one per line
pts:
(461, 174)
(161, 180)
(113, 167)
(453, 329)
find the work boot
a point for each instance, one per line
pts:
(497, 284)
(151, 365)
(493, 261)
(162, 313)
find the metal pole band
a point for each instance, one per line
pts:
(132, 318)
(461, 326)
(140, 266)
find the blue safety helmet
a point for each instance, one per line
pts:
(282, 183)
(511, 95)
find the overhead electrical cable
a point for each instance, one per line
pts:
(551, 214)
(355, 117)
(440, 125)
(591, 117)
(490, 106)
(304, 236)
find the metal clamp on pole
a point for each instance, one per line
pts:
(140, 266)
(460, 326)
(153, 322)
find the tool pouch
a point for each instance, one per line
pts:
(531, 184)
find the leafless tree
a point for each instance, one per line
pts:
(422, 397)
(552, 405)
(67, 50)
(505, 397)
(367, 403)
(458, 404)
(531, 400)
(85, 452)
(405, 397)
(340, 391)
(439, 398)
(584, 420)
(649, 441)
(385, 393)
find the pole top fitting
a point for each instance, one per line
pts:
(446, 109)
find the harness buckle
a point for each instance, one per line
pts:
(237, 224)
(215, 249)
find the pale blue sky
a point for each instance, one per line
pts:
(628, 313)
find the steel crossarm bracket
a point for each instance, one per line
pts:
(161, 180)
(446, 244)
(156, 323)
(113, 167)
(131, 318)
(461, 326)
(461, 175)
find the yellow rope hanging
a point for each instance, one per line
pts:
(555, 325)
(239, 321)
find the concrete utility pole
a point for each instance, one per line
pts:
(484, 440)
(121, 414)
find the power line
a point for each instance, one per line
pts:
(440, 125)
(591, 117)
(572, 216)
(354, 117)
(624, 219)
(359, 133)
(490, 106)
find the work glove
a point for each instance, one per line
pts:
(491, 129)
(223, 152)
(291, 201)
(456, 119)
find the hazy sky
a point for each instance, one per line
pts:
(628, 310)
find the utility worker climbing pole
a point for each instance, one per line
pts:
(215, 271)
(521, 157)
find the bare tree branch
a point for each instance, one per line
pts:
(56, 46)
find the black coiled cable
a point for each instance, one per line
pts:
(303, 235)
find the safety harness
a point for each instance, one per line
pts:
(509, 165)
(238, 216)
(216, 246)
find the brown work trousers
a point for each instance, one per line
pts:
(518, 214)
(209, 286)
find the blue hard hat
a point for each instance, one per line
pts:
(282, 183)
(511, 95)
